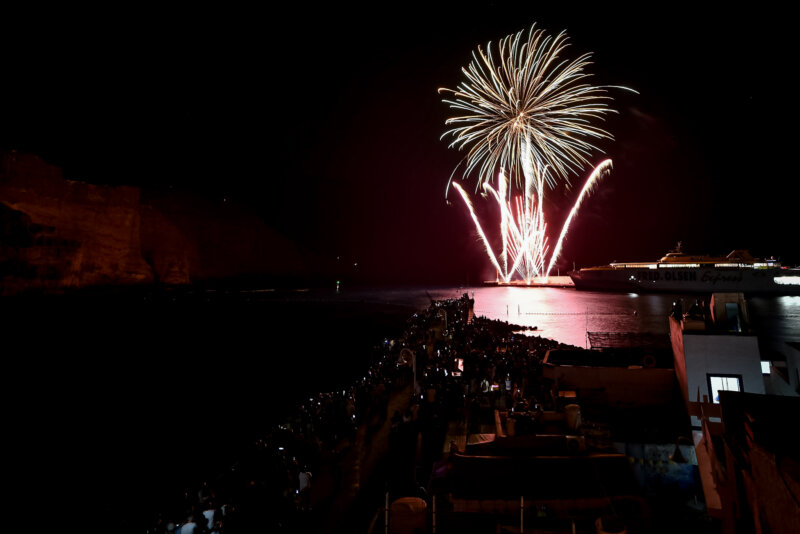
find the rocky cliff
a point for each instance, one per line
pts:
(58, 234)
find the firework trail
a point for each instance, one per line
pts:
(524, 239)
(523, 232)
(480, 230)
(503, 186)
(601, 170)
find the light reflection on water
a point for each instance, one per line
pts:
(566, 315)
(776, 319)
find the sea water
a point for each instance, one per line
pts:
(566, 315)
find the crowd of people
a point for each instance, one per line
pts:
(464, 366)
(468, 367)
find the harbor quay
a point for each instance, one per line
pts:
(466, 424)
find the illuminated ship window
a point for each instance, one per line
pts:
(634, 265)
(682, 265)
(787, 280)
(717, 383)
(743, 265)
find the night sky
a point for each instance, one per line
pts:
(327, 123)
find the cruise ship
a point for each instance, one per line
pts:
(684, 273)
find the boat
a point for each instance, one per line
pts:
(677, 272)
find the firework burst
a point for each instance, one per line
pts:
(521, 101)
(526, 117)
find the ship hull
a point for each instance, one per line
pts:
(688, 280)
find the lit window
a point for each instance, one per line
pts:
(717, 383)
(764, 367)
